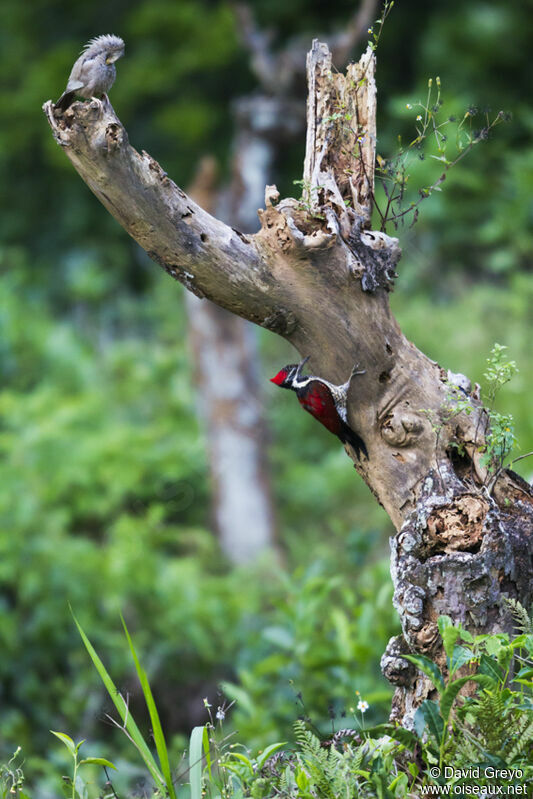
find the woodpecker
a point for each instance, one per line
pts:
(323, 400)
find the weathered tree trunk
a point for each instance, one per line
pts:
(316, 275)
(226, 374)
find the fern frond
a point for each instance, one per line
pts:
(315, 759)
(488, 712)
(522, 738)
(523, 621)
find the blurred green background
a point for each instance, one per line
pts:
(103, 477)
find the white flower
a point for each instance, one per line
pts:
(418, 118)
(220, 714)
(362, 706)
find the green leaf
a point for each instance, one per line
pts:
(433, 719)
(400, 734)
(525, 674)
(244, 760)
(67, 740)
(448, 697)
(268, 752)
(207, 751)
(419, 723)
(123, 710)
(400, 781)
(97, 761)
(159, 738)
(429, 668)
(466, 636)
(302, 780)
(449, 634)
(443, 622)
(461, 655)
(488, 665)
(196, 750)
(493, 644)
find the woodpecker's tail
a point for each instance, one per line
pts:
(356, 442)
(64, 101)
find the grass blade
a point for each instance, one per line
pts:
(157, 730)
(122, 708)
(196, 750)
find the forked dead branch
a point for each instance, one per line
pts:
(318, 276)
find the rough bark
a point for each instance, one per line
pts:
(225, 358)
(316, 275)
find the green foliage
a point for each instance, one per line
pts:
(500, 436)
(459, 43)
(75, 787)
(402, 195)
(103, 498)
(12, 778)
(377, 28)
(495, 427)
(491, 727)
(161, 776)
(316, 648)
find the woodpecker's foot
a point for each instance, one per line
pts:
(357, 371)
(301, 366)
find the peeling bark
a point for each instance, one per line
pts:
(457, 554)
(317, 276)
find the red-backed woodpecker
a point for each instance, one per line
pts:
(323, 400)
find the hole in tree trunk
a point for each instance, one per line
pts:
(460, 461)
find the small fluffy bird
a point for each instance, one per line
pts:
(94, 72)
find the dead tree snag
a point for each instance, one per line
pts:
(318, 276)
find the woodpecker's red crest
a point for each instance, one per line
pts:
(323, 400)
(285, 376)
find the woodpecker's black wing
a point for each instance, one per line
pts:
(356, 442)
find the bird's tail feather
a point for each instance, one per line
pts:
(64, 101)
(356, 442)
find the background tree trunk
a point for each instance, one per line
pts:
(225, 356)
(318, 276)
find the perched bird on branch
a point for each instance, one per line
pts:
(94, 72)
(323, 400)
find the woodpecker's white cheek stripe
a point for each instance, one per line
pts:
(297, 384)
